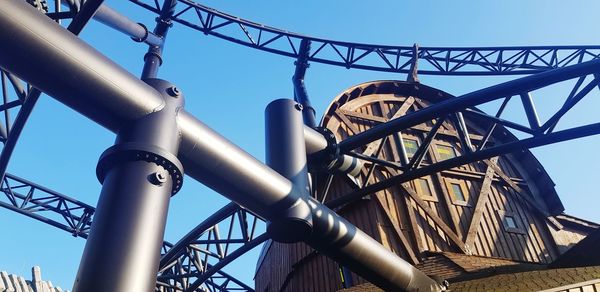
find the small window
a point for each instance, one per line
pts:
(509, 222)
(445, 152)
(410, 147)
(457, 192)
(424, 189)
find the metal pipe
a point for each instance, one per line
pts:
(530, 112)
(286, 154)
(71, 69)
(300, 93)
(118, 97)
(475, 98)
(324, 150)
(138, 175)
(153, 58)
(137, 31)
(337, 238)
(315, 141)
(113, 19)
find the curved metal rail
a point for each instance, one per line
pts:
(71, 215)
(214, 243)
(387, 58)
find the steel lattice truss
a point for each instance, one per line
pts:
(199, 255)
(434, 60)
(194, 263)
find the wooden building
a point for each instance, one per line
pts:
(479, 217)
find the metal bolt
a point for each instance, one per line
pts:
(173, 91)
(159, 177)
(298, 107)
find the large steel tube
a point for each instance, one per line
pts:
(138, 174)
(54, 60)
(99, 89)
(337, 238)
(286, 154)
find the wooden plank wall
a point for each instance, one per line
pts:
(410, 225)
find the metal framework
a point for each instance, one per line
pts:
(536, 133)
(200, 255)
(195, 262)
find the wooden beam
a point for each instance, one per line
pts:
(398, 231)
(401, 111)
(347, 121)
(363, 116)
(449, 232)
(482, 199)
(447, 200)
(531, 202)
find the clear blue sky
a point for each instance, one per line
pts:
(227, 86)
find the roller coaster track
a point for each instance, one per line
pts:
(433, 60)
(195, 262)
(199, 256)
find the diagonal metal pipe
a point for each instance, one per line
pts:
(80, 77)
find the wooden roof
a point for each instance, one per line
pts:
(550, 280)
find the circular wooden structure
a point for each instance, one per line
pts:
(493, 211)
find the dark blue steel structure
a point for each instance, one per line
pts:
(195, 262)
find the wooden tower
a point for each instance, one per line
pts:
(491, 213)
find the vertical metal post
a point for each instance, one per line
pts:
(138, 174)
(532, 117)
(403, 156)
(463, 132)
(153, 58)
(286, 154)
(300, 93)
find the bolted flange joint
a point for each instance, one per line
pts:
(128, 152)
(322, 160)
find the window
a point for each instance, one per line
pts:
(509, 222)
(423, 186)
(410, 147)
(445, 152)
(424, 189)
(457, 192)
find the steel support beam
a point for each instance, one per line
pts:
(120, 22)
(300, 94)
(118, 97)
(463, 102)
(286, 154)
(138, 175)
(153, 58)
(112, 18)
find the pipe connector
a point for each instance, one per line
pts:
(293, 224)
(330, 158)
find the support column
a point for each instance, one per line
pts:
(138, 174)
(286, 154)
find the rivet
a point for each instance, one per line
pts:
(159, 177)
(173, 91)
